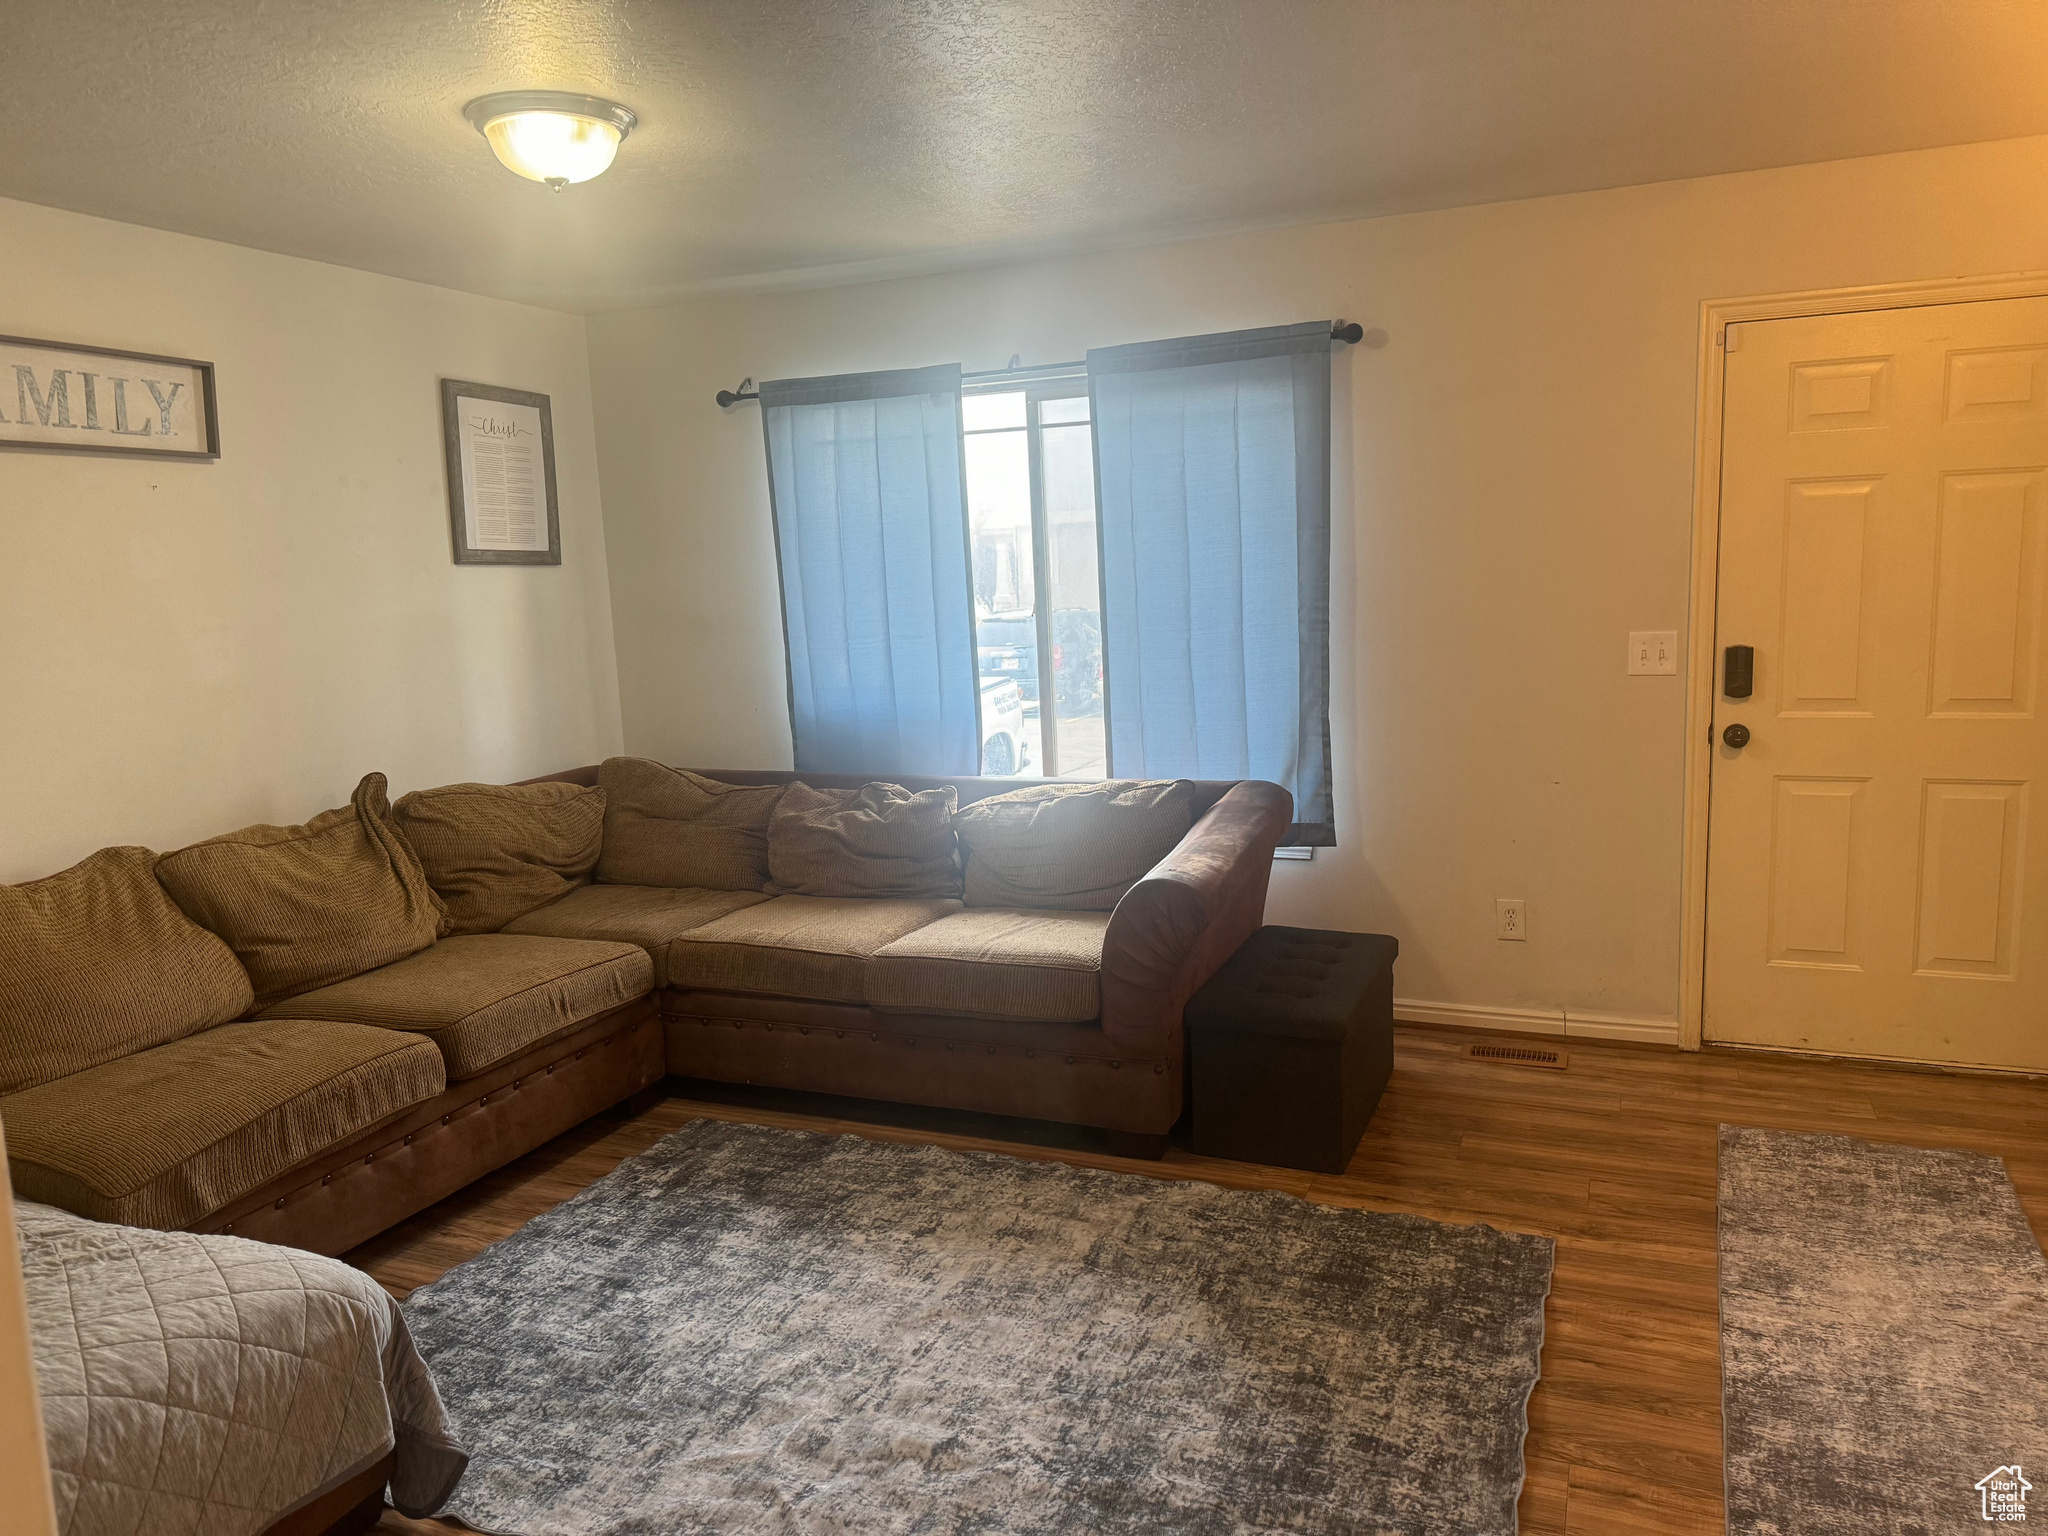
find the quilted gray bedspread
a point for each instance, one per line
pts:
(206, 1386)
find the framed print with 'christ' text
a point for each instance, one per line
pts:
(501, 475)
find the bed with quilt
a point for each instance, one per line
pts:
(219, 1387)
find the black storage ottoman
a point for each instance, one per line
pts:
(1291, 1044)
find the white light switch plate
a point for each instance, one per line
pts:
(1653, 653)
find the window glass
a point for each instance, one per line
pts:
(1067, 474)
(1005, 585)
(986, 413)
(1026, 673)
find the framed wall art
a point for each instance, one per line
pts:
(56, 396)
(501, 475)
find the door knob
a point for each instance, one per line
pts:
(1736, 736)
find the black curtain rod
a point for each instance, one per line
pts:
(1344, 331)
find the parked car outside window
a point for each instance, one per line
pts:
(1009, 648)
(1005, 746)
(1007, 644)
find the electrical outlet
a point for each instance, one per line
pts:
(1653, 653)
(1510, 920)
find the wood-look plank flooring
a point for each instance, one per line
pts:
(1613, 1157)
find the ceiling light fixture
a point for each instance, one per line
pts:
(552, 137)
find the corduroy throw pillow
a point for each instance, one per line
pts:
(97, 963)
(495, 852)
(1076, 847)
(878, 840)
(668, 826)
(305, 906)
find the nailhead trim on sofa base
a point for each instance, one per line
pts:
(931, 1042)
(353, 1192)
(941, 1063)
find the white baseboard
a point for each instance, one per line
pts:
(1523, 1021)
(1538, 1021)
(1620, 1026)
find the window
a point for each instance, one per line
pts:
(1030, 464)
(1119, 565)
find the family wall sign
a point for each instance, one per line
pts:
(96, 400)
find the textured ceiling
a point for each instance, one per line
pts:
(805, 140)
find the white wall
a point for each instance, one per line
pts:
(1513, 484)
(185, 648)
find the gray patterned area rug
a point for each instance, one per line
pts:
(1884, 1339)
(752, 1330)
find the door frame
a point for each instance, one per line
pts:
(1703, 670)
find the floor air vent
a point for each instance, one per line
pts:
(1518, 1055)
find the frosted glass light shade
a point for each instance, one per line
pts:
(553, 137)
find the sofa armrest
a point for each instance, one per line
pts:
(1176, 927)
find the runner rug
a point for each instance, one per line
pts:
(1884, 1339)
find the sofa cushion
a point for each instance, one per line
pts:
(303, 906)
(493, 852)
(995, 963)
(485, 997)
(1070, 846)
(97, 962)
(169, 1135)
(648, 915)
(878, 840)
(797, 946)
(668, 826)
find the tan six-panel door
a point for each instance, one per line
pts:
(1877, 881)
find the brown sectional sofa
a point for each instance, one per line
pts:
(1071, 1016)
(331, 1048)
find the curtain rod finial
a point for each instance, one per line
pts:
(1350, 331)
